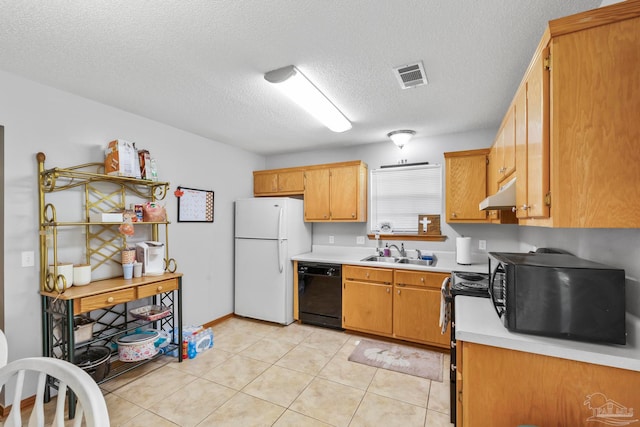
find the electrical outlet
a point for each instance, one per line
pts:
(360, 240)
(482, 245)
(331, 240)
(28, 259)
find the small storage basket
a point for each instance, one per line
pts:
(150, 312)
(82, 328)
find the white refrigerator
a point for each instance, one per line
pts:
(268, 232)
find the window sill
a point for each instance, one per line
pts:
(424, 237)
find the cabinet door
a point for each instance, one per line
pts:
(367, 307)
(265, 183)
(316, 195)
(466, 186)
(291, 182)
(416, 312)
(537, 140)
(344, 193)
(521, 152)
(508, 145)
(492, 178)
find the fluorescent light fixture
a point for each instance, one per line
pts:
(304, 93)
(401, 137)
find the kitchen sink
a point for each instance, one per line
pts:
(377, 258)
(413, 261)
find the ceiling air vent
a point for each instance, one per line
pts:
(411, 75)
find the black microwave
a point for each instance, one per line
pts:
(559, 295)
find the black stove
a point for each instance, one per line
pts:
(471, 284)
(467, 284)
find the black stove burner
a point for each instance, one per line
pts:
(470, 283)
(473, 277)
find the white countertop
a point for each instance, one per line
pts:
(478, 322)
(446, 261)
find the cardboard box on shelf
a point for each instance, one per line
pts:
(121, 159)
(106, 217)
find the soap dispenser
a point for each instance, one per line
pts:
(387, 250)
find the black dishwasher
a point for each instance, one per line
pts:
(320, 294)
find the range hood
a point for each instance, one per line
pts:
(505, 198)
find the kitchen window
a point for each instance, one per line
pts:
(399, 194)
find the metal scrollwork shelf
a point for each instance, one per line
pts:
(105, 300)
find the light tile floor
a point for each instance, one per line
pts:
(261, 374)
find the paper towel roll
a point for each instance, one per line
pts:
(463, 250)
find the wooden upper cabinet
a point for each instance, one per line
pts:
(278, 182)
(332, 192)
(595, 99)
(508, 145)
(466, 185)
(582, 102)
(532, 142)
(492, 180)
(343, 188)
(316, 195)
(265, 182)
(504, 150)
(336, 192)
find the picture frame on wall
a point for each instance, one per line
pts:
(195, 205)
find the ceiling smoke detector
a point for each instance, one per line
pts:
(411, 75)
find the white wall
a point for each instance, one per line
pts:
(71, 130)
(419, 149)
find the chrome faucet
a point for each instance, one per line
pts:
(400, 249)
(419, 254)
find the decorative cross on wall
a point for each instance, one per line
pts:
(429, 224)
(425, 222)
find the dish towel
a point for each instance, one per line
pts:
(445, 313)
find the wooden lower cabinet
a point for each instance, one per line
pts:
(499, 387)
(416, 307)
(396, 303)
(367, 301)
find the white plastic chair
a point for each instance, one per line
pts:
(90, 402)
(4, 349)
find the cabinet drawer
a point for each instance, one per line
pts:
(156, 288)
(420, 278)
(105, 300)
(384, 275)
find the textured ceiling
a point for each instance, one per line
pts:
(199, 65)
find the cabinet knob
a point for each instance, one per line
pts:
(388, 290)
(110, 299)
(514, 209)
(453, 215)
(353, 215)
(524, 207)
(366, 274)
(422, 279)
(398, 291)
(160, 288)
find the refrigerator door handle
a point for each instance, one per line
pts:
(280, 260)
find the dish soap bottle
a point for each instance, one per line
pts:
(387, 250)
